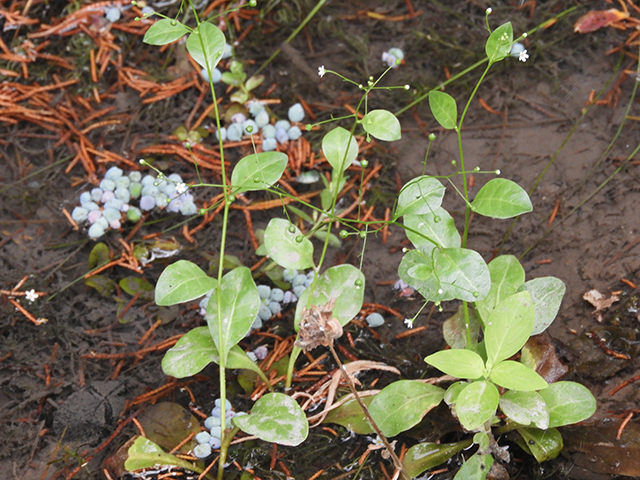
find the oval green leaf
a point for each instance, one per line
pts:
(424, 456)
(350, 416)
(422, 195)
(143, 453)
(382, 125)
(210, 50)
(258, 171)
(568, 403)
(476, 468)
(340, 149)
(499, 43)
(454, 329)
(239, 305)
(542, 444)
(458, 363)
(508, 327)
(507, 276)
(516, 376)
(444, 109)
(281, 240)
(501, 198)
(401, 405)
(164, 31)
(437, 226)
(525, 408)
(477, 403)
(181, 282)
(345, 283)
(546, 294)
(275, 418)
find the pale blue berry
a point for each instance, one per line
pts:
(255, 108)
(275, 307)
(298, 280)
(299, 290)
(252, 356)
(215, 442)
(202, 450)
(122, 193)
(269, 131)
(269, 144)
(147, 203)
(147, 180)
(289, 297)
(95, 231)
(85, 197)
(276, 295)
(256, 325)
(261, 353)
(96, 194)
(122, 182)
(289, 274)
(264, 291)
(281, 135)
(111, 214)
(294, 133)
(296, 113)
(218, 402)
(203, 437)
(238, 117)
(211, 422)
(135, 177)
(264, 312)
(216, 411)
(262, 119)
(79, 214)
(107, 184)
(91, 206)
(93, 216)
(249, 127)
(161, 199)
(114, 173)
(116, 204)
(283, 124)
(227, 51)
(234, 132)
(112, 14)
(107, 196)
(375, 320)
(188, 208)
(221, 134)
(216, 432)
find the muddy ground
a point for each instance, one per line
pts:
(545, 135)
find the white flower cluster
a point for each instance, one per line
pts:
(107, 206)
(211, 438)
(281, 132)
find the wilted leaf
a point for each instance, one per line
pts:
(596, 19)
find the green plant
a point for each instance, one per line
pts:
(500, 311)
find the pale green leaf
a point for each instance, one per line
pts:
(508, 327)
(444, 109)
(457, 363)
(476, 468)
(568, 403)
(143, 453)
(542, 444)
(501, 198)
(258, 171)
(421, 195)
(437, 226)
(340, 149)
(424, 456)
(402, 404)
(287, 246)
(382, 125)
(476, 404)
(181, 282)
(210, 50)
(275, 418)
(525, 408)
(516, 376)
(507, 276)
(238, 308)
(344, 283)
(164, 31)
(546, 294)
(499, 43)
(350, 416)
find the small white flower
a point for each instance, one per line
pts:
(523, 56)
(31, 295)
(181, 188)
(489, 10)
(321, 71)
(408, 322)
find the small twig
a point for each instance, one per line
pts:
(396, 460)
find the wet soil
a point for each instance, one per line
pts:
(59, 402)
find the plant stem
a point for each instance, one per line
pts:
(365, 410)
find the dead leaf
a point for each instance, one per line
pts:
(596, 19)
(598, 300)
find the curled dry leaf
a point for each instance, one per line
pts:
(596, 19)
(318, 327)
(598, 300)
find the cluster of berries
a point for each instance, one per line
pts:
(281, 132)
(210, 439)
(107, 206)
